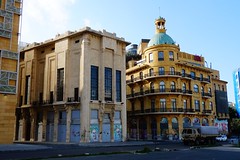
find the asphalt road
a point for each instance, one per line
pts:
(165, 150)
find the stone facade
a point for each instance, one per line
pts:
(10, 12)
(168, 90)
(72, 89)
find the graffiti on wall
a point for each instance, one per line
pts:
(94, 132)
(222, 126)
(117, 132)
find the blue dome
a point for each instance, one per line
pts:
(160, 38)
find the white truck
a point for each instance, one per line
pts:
(200, 135)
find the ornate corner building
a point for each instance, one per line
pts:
(10, 12)
(168, 89)
(72, 89)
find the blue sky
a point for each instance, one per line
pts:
(210, 28)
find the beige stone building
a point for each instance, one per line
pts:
(168, 89)
(72, 89)
(10, 12)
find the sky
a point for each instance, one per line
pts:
(209, 28)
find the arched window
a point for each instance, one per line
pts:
(222, 87)
(196, 88)
(173, 88)
(162, 86)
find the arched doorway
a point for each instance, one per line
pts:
(186, 122)
(164, 128)
(154, 128)
(133, 129)
(175, 128)
(205, 122)
(196, 122)
(142, 129)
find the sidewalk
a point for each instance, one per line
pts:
(21, 147)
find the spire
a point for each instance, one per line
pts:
(160, 25)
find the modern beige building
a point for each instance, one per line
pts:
(10, 12)
(72, 88)
(168, 89)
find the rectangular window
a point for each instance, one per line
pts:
(161, 71)
(27, 90)
(203, 106)
(76, 93)
(171, 56)
(118, 86)
(150, 57)
(160, 56)
(184, 104)
(173, 103)
(197, 108)
(142, 106)
(153, 105)
(108, 84)
(163, 105)
(94, 83)
(60, 79)
(133, 107)
(211, 106)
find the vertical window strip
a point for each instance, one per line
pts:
(118, 86)
(94, 83)
(108, 84)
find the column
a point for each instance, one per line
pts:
(68, 125)
(44, 125)
(55, 131)
(33, 124)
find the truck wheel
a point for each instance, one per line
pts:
(197, 142)
(185, 142)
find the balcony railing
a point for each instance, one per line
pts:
(167, 73)
(159, 91)
(161, 110)
(73, 99)
(206, 95)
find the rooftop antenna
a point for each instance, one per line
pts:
(159, 12)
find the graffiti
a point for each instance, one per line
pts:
(75, 133)
(117, 132)
(94, 131)
(222, 126)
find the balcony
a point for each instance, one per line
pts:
(206, 95)
(73, 100)
(206, 111)
(158, 92)
(154, 75)
(161, 111)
